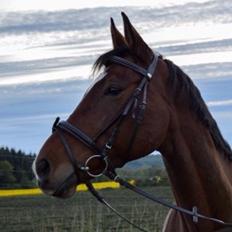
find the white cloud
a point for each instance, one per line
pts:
(22, 5)
(70, 73)
(220, 103)
(202, 58)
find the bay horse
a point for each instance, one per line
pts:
(141, 103)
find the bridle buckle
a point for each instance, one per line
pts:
(108, 146)
(149, 75)
(195, 214)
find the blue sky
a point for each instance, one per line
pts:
(46, 57)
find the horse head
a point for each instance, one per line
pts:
(122, 117)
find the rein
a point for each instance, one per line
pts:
(137, 104)
(194, 214)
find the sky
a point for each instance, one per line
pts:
(46, 56)
(22, 5)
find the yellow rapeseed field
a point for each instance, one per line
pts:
(36, 191)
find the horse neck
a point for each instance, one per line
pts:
(199, 175)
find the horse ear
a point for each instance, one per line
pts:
(117, 38)
(135, 41)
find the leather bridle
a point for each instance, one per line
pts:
(136, 104)
(132, 104)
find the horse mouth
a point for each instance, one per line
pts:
(65, 189)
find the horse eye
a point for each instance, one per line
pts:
(112, 91)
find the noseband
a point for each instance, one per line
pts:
(137, 104)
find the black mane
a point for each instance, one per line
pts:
(103, 60)
(182, 87)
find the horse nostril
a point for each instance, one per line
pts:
(42, 168)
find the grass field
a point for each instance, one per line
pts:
(82, 213)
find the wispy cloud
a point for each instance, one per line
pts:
(74, 73)
(220, 103)
(18, 22)
(23, 5)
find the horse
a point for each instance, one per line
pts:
(142, 102)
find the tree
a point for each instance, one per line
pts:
(6, 173)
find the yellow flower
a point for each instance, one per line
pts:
(81, 187)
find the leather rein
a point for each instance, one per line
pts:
(137, 104)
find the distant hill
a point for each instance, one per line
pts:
(146, 162)
(147, 171)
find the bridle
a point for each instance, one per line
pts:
(136, 104)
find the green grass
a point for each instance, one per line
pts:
(82, 213)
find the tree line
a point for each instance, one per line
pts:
(16, 169)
